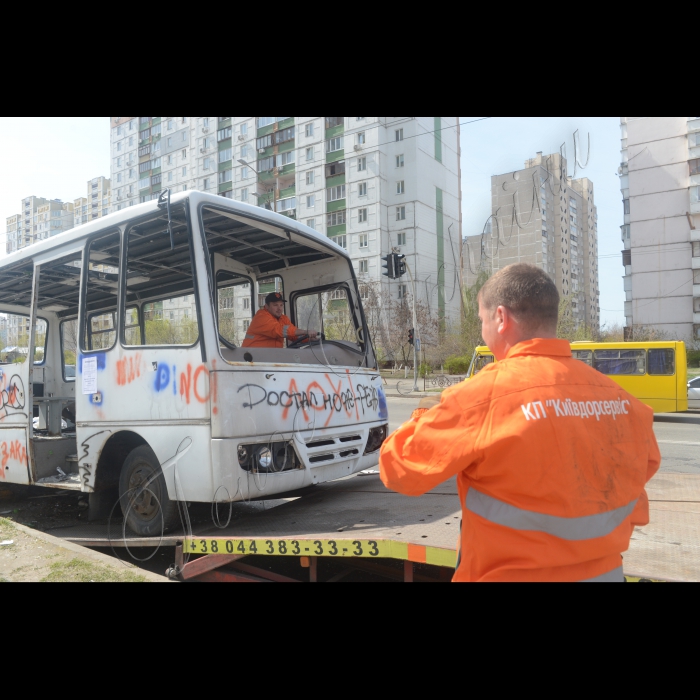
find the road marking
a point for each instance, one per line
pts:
(676, 442)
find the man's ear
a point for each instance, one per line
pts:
(503, 319)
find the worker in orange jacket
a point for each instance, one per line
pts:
(551, 457)
(270, 328)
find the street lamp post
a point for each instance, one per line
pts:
(257, 174)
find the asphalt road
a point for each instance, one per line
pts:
(678, 436)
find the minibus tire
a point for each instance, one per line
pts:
(150, 513)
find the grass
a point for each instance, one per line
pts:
(6, 526)
(77, 571)
(3, 580)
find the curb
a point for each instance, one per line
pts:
(407, 396)
(96, 557)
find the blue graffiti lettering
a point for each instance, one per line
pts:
(162, 378)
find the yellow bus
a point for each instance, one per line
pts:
(656, 373)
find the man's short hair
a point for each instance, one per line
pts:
(528, 292)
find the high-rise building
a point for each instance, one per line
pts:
(96, 204)
(43, 218)
(40, 218)
(660, 181)
(3, 332)
(372, 184)
(542, 216)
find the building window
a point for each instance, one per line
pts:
(362, 216)
(401, 213)
(400, 187)
(364, 267)
(364, 240)
(401, 239)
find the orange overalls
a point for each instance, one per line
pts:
(551, 457)
(268, 332)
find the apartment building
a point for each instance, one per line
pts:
(660, 182)
(372, 184)
(96, 204)
(40, 218)
(3, 332)
(43, 218)
(542, 216)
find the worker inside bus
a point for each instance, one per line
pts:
(270, 328)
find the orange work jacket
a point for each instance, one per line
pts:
(266, 331)
(551, 458)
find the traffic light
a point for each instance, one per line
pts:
(395, 266)
(400, 266)
(390, 266)
(412, 336)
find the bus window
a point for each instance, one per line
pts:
(18, 355)
(308, 311)
(235, 307)
(269, 286)
(662, 362)
(584, 356)
(328, 310)
(101, 291)
(483, 361)
(171, 321)
(69, 348)
(161, 274)
(132, 327)
(102, 331)
(620, 362)
(338, 319)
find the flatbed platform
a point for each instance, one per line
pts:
(358, 518)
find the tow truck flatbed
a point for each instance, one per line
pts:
(358, 519)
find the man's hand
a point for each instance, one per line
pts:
(429, 402)
(313, 335)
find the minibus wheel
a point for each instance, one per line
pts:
(143, 495)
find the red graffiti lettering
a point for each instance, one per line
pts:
(214, 388)
(15, 452)
(334, 393)
(186, 384)
(195, 387)
(357, 408)
(294, 392)
(128, 370)
(316, 406)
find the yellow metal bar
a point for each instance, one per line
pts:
(332, 549)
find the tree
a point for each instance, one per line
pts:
(389, 321)
(570, 328)
(164, 332)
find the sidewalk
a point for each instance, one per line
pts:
(29, 556)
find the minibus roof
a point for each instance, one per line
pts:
(144, 211)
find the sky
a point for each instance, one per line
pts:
(54, 157)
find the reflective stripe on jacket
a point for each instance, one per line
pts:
(552, 460)
(268, 332)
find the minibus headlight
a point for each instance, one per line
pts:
(264, 458)
(377, 436)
